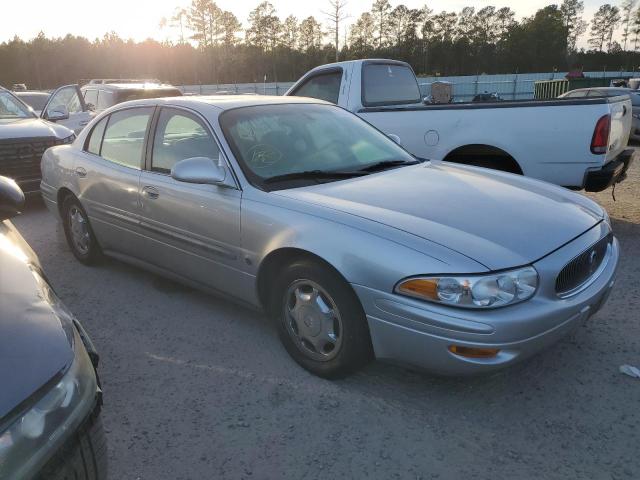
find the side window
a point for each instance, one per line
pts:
(91, 97)
(105, 100)
(94, 141)
(576, 94)
(180, 135)
(67, 97)
(123, 141)
(325, 86)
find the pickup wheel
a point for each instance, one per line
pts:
(79, 233)
(320, 320)
(484, 156)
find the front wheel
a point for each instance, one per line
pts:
(320, 320)
(77, 229)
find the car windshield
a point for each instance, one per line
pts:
(141, 93)
(11, 107)
(37, 101)
(272, 141)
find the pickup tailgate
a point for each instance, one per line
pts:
(621, 111)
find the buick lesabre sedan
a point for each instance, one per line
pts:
(50, 399)
(356, 248)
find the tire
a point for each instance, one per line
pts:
(325, 332)
(72, 209)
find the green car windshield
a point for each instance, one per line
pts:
(275, 140)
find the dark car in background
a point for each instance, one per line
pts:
(23, 139)
(37, 100)
(613, 92)
(50, 399)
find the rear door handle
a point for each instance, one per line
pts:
(151, 192)
(81, 172)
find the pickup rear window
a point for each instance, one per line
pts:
(388, 84)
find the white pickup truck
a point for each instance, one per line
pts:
(576, 143)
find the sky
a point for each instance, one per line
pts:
(139, 19)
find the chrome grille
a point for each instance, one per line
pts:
(579, 270)
(20, 159)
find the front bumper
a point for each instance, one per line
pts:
(417, 333)
(613, 172)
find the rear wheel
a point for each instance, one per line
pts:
(320, 320)
(78, 232)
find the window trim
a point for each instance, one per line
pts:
(319, 73)
(396, 63)
(153, 130)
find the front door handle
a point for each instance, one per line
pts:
(84, 123)
(151, 192)
(81, 172)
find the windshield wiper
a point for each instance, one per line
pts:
(314, 175)
(374, 167)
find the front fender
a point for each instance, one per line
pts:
(363, 252)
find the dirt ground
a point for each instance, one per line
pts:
(199, 388)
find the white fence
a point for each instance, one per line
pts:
(509, 86)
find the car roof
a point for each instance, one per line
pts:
(130, 86)
(32, 92)
(227, 102)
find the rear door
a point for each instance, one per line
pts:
(192, 230)
(72, 100)
(108, 174)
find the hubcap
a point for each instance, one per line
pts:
(313, 320)
(79, 230)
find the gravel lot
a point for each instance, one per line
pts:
(199, 388)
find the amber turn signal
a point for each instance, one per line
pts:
(473, 352)
(420, 287)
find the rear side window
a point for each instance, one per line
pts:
(105, 99)
(95, 137)
(387, 84)
(123, 141)
(91, 97)
(325, 86)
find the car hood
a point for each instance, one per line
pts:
(33, 345)
(498, 219)
(12, 128)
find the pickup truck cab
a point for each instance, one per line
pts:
(576, 143)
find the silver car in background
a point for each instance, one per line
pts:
(356, 248)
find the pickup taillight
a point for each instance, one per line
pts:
(600, 139)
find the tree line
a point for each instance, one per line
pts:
(206, 44)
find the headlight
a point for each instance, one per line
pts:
(607, 219)
(66, 140)
(29, 440)
(473, 291)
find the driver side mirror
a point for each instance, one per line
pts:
(54, 114)
(202, 170)
(91, 107)
(395, 138)
(11, 198)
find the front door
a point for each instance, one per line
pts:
(192, 230)
(71, 99)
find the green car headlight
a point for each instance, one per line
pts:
(30, 437)
(473, 291)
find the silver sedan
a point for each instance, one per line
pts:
(356, 248)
